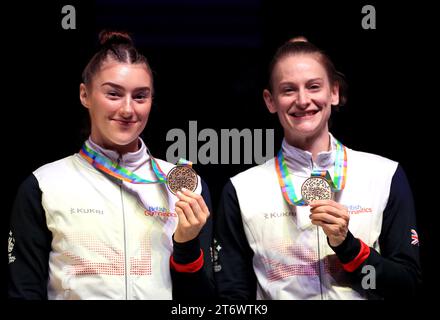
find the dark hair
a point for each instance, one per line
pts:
(115, 45)
(300, 45)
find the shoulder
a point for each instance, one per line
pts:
(29, 187)
(257, 180)
(372, 161)
(60, 169)
(54, 166)
(259, 172)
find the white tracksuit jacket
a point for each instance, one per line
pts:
(108, 239)
(281, 255)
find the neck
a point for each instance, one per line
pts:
(121, 149)
(313, 144)
(131, 147)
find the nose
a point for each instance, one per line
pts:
(126, 109)
(303, 99)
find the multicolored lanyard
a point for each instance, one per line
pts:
(113, 169)
(337, 183)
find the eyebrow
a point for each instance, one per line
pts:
(315, 79)
(112, 84)
(310, 80)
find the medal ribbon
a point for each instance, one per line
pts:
(184, 162)
(113, 169)
(337, 183)
(340, 171)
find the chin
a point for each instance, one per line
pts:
(304, 132)
(309, 130)
(304, 128)
(124, 141)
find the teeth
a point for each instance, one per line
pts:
(302, 114)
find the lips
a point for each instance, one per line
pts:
(124, 122)
(301, 114)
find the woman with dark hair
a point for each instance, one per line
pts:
(320, 220)
(112, 221)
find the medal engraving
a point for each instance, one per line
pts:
(316, 188)
(181, 177)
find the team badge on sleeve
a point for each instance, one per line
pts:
(11, 243)
(414, 237)
(215, 249)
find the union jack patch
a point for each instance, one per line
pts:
(414, 237)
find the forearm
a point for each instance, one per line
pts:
(397, 267)
(191, 265)
(234, 273)
(30, 244)
(385, 276)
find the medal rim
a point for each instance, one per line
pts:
(311, 178)
(186, 167)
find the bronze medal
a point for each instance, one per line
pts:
(182, 177)
(316, 188)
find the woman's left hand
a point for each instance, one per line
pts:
(332, 217)
(192, 212)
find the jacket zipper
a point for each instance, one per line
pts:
(319, 255)
(319, 263)
(125, 240)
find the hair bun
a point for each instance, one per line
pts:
(108, 38)
(298, 39)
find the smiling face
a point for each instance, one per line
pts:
(119, 99)
(302, 96)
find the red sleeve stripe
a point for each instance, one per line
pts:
(360, 258)
(188, 267)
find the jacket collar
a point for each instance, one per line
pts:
(301, 162)
(130, 160)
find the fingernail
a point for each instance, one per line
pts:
(184, 189)
(179, 193)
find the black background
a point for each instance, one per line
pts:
(210, 60)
